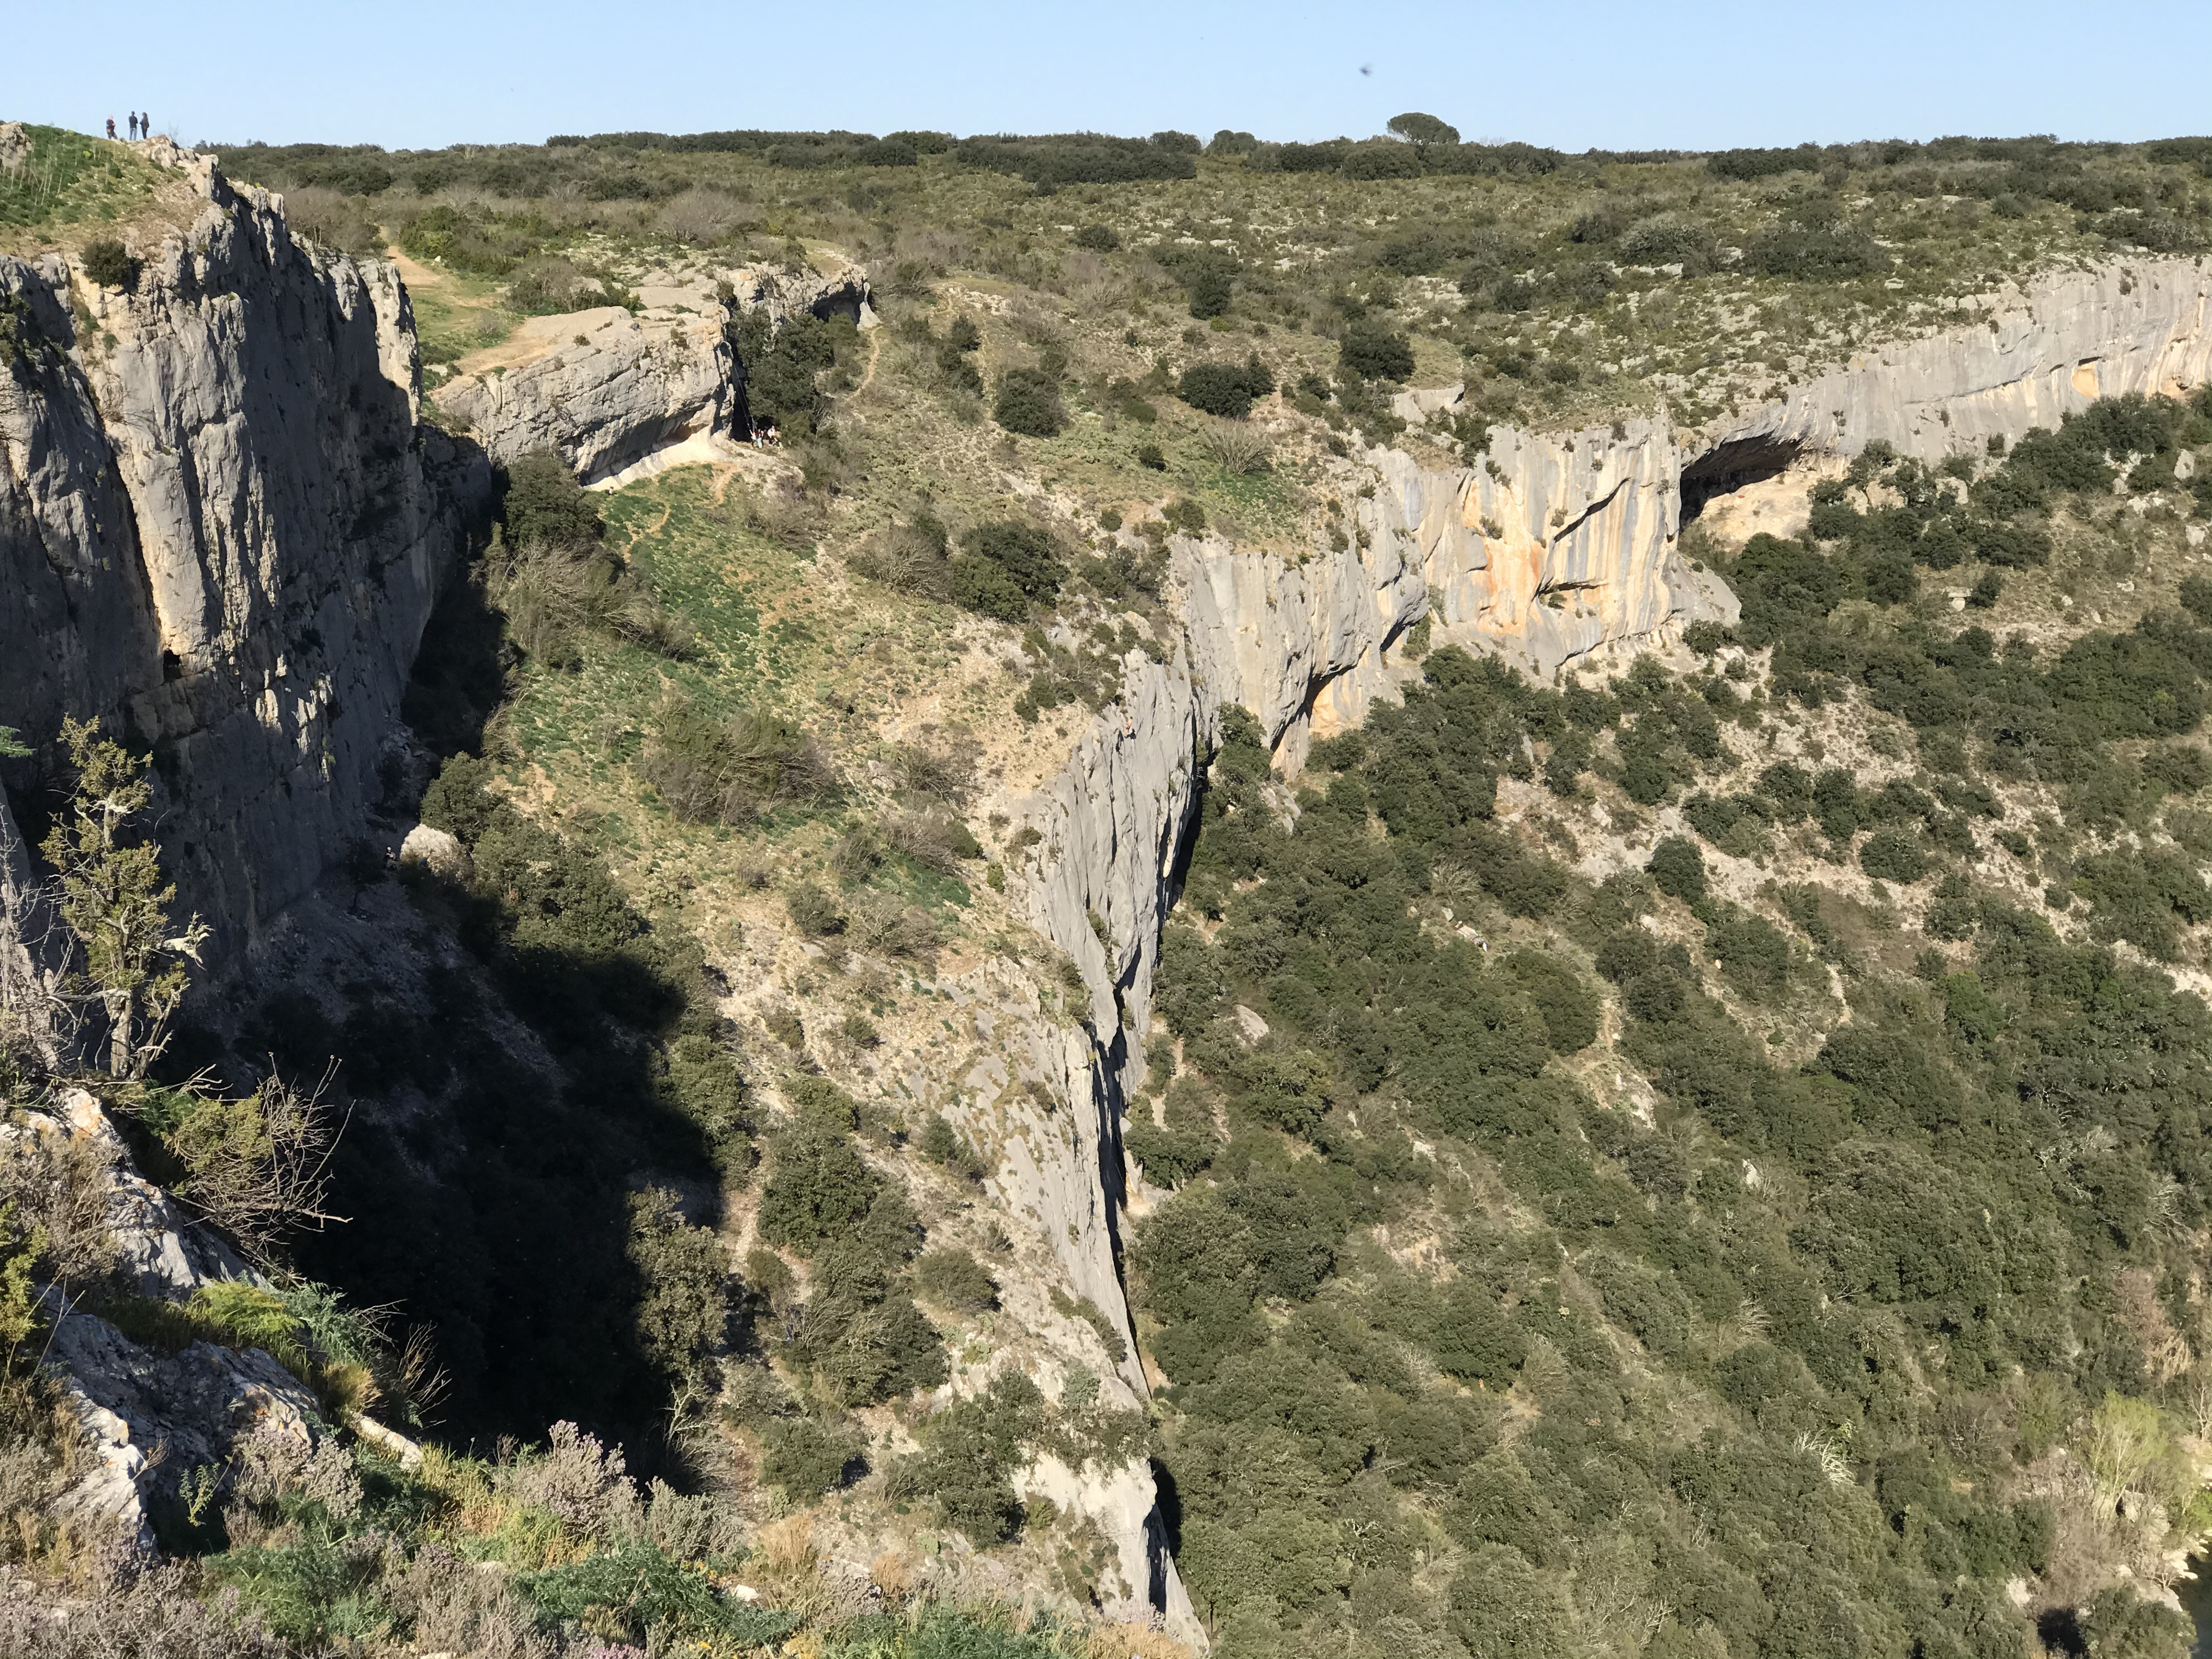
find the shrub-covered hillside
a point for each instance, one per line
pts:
(1559, 286)
(1717, 1165)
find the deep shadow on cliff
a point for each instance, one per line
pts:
(496, 1035)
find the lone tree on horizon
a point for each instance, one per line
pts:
(1421, 130)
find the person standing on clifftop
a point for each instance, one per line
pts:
(110, 126)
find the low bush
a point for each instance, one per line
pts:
(970, 1450)
(1375, 351)
(817, 1187)
(941, 1144)
(1894, 855)
(913, 557)
(955, 1280)
(804, 1458)
(1028, 403)
(108, 264)
(1003, 567)
(552, 592)
(732, 771)
(1228, 390)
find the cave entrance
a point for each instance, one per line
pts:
(1729, 467)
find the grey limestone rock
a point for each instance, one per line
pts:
(608, 390)
(2026, 357)
(147, 1419)
(221, 531)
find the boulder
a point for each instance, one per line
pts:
(438, 851)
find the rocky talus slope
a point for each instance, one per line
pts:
(222, 530)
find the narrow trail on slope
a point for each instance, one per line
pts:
(875, 351)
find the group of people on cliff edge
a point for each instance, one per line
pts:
(142, 126)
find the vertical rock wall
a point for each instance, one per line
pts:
(2030, 357)
(222, 530)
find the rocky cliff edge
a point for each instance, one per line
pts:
(222, 529)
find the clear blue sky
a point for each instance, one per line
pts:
(405, 73)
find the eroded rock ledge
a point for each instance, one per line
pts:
(613, 391)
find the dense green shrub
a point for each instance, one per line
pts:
(818, 1187)
(684, 1313)
(1207, 274)
(1668, 239)
(1029, 403)
(1678, 869)
(471, 238)
(1893, 856)
(1762, 163)
(1182, 1147)
(782, 365)
(1501, 1609)
(1005, 567)
(1083, 158)
(1374, 351)
(1228, 390)
(107, 262)
(804, 1458)
(1568, 1007)
(1816, 252)
(543, 503)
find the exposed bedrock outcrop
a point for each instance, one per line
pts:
(609, 389)
(147, 1419)
(222, 530)
(2029, 358)
(1553, 550)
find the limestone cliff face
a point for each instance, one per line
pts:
(222, 530)
(610, 390)
(607, 389)
(1555, 549)
(2029, 357)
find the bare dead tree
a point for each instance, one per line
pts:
(258, 1167)
(39, 1019)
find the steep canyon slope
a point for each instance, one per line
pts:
(225, 527)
